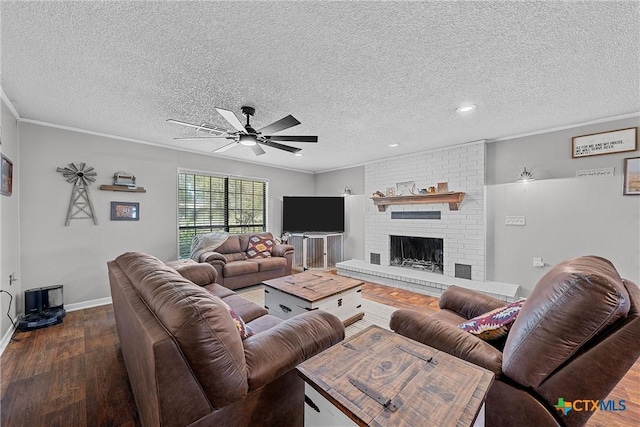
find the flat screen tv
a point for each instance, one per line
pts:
(312, 214)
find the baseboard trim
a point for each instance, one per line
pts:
(6, 339)
(87, 304)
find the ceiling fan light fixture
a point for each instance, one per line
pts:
(248, 140)
(525, 176)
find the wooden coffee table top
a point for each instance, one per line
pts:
(426, 386)
(313, 285)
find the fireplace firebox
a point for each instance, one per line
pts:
(421, 253)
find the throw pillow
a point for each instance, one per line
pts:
(259, 246)
(494, 324)
(244, 330)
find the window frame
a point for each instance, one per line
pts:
(227, 177)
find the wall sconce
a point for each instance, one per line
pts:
(346, 192)
(525, 176)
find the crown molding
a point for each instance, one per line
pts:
(155, 144)
(13, 110)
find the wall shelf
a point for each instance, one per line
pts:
(122, 188)
(453, 199)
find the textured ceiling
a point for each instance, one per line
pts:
(360, 75)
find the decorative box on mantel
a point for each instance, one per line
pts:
(453, 199)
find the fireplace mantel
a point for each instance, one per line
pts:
(453, 199)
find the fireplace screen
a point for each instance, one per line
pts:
(421, 253)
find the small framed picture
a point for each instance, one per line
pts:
(443, 187)
(125, 211)
(7, 176)
(632, 176)
(390, 192)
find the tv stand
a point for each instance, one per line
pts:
(316, 251)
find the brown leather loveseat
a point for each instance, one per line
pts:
(236, 269)
(187, 362)
(575, 337)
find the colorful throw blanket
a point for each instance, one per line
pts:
(206, 243)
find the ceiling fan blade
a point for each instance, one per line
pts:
(291, 138)
(282, 124)
(232, 119)
(281, 146)
(226, 147)
(195, 138)
(204, 127)
(257, 150)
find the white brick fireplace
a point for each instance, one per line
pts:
(463, 231)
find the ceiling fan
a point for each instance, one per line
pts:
(246, 135)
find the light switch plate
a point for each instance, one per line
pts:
(514, 220)
(538, 262)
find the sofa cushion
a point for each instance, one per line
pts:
(494, 324)
(271, 263)
(245, 308)
(235, 256)
(219, 290)
(237, 268)
(231, 245)
(259, 246)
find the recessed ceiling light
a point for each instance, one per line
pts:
(298, 154)
(393, 145)
(465, 108)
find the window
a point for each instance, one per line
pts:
(208, 203)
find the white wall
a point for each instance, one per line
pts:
(76, 256)
(9, 225)
(565, 216)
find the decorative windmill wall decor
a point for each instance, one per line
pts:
(81, 179)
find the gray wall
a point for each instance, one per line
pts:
(333, 184)
(10, 226)
(565, 216)
(76, 256)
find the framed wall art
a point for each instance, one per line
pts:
(7, 176)
(632, 176)
(125, 211)
(595, 144)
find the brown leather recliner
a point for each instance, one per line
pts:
(186, 360)
(575, 337)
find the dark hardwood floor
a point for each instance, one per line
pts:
(73, 374)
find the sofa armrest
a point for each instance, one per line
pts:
(468, 303)
(446, 337)
(281, 250)
(201, 274)
(276, 351)
(213, 258)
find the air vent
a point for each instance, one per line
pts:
(415, 215)
(374, 258)
(463, 271)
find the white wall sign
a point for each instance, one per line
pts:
(595, 173)
(615, 141)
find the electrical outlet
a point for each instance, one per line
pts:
(538, 262)
(514, 220)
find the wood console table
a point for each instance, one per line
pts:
(453, 199)
(379, 378)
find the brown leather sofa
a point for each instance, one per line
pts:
(574, 339)
(186, 360)
(235, 271)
